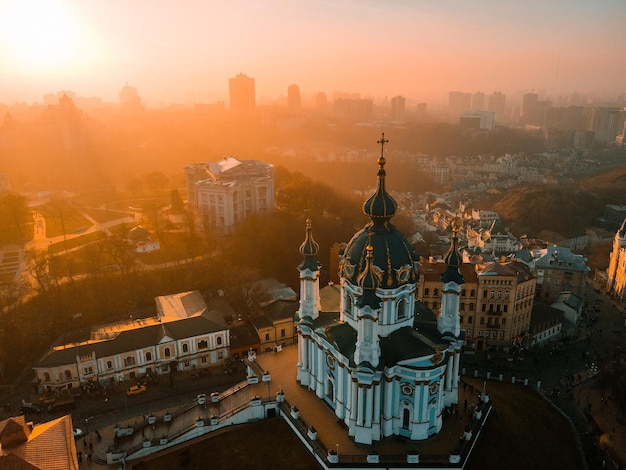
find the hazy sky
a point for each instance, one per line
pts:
(170, 49)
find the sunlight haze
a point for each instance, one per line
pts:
(422, 50)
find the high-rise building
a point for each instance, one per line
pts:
(242, 95)
(398, 108)
(293, 96)
(606, 123)
(129, 98)
(496, 104)
(478, 101)
(459, 102)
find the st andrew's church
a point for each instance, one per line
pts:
(389, 366)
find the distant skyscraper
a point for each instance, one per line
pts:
(129, 97)
(397, 108)
(321, 101)
(293, 96)
(459, 102)
(497, 101)
(242, 97)
(528, 109)
(478, 101)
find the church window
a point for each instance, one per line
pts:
(402, 309)
(219, 340)
(406, 418)
(203, 344)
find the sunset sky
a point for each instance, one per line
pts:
(171, 50)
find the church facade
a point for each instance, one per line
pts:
(385, 363)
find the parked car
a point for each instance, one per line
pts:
(136, 390)
(29, 408)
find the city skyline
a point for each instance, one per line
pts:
(176, 52)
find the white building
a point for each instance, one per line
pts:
(227, 191)
(185, 335)
(381, 360)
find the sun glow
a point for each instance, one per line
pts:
(38, 36)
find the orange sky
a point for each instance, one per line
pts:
(171, 50)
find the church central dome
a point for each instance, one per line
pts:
(392, 254)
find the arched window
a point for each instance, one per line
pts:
(148, 356)
(402, 309)
(219, 340)
(185, 348)
(436, 292)
(46, 376)
(109, 365)
(203, 344)
(426, 291)
(68, 374)
(167, 352)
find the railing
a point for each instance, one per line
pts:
(434, 460)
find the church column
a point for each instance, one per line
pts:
(341, 398)
(449, 367)
(377, 402)
(389, 389)
(369, 392)
(319, 374)
(353, 400)
(455, 377)
(359, 404)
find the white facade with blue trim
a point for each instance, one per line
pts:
(384, 363)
